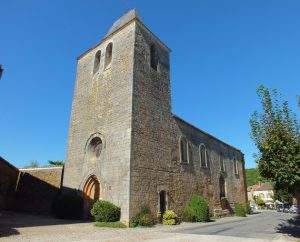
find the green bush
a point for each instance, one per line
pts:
(248, 208)
(196, 210)
(104, 211)
(259, 201)
(143, 218)
(170, 218)
(68, 205)
(239, 210)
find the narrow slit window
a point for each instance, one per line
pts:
(235, 164)
(203, 155)
(222, 165)
(184, 150)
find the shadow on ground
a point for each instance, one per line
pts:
(11, 221)
(290, 227)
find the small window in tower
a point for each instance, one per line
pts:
(108, 54)
(97, 61)
(153, 57)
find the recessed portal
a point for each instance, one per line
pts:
(91, 193)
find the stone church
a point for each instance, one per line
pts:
(126, 146)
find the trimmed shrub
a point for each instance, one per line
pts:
(239, 210)
(68, 206)
(104, 211)
(143, 218)
(170, 218)
(196, 210)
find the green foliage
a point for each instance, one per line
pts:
(104, 211)
(143, 218)
(68, 206)
(253, 177)
(276, 135)
(259, 201)
(56, 162)
(32, 164)
(239, 210)
(196, 210)
(116, 224)
(283, 195)
(170, 218)
(248, 208)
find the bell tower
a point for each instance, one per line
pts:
(120, 116)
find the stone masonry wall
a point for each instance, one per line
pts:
(101, 108)
(151, 114)
(156, 133)
(205, 180)
(8, 183)
(37, 189)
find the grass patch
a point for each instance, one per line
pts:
(117, 224)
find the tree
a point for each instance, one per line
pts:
(276, 135)
(283, 195)
(56, 162)
(32, 164)
(1, 71)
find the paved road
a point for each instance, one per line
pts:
(255, 228)
(266, 225)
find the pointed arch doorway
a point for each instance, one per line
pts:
(91, 193)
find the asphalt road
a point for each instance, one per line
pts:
(265, 225)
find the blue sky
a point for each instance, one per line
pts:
(221, 52)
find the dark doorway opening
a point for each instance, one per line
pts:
(162, 202)
(222, 187)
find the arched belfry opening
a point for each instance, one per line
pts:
(108, 54)
(91, 193)
(153, 57)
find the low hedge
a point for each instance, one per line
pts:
(104, 211)
(143, 218)
(196, 210)
(240, 210)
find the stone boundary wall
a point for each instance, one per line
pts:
(37, 189)
(50, 175)
(8, 183)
